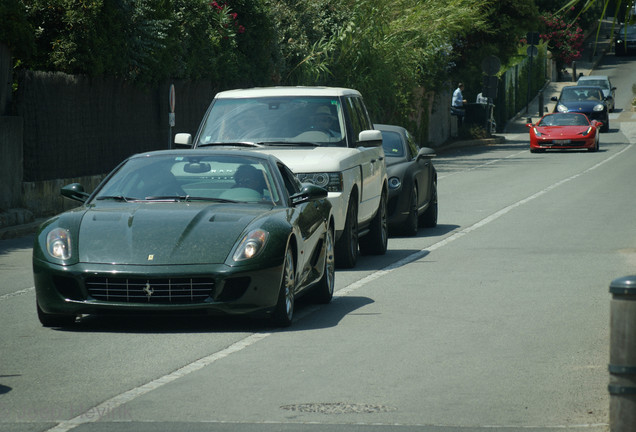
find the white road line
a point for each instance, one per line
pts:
(16, 293)
(113, 404)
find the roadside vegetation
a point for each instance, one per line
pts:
(391, 51)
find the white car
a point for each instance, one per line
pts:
(602, 81)
(325, 136)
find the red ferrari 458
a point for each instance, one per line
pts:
(564, 131)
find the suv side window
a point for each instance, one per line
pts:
(358, 116)
(354, 117)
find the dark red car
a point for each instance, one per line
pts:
(564, 131)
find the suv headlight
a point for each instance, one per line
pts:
(330, 181)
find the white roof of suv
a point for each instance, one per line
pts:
(287, 91)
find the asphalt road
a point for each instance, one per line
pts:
(496, 320)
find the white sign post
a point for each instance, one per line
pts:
(171, 116)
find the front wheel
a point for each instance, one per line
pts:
(375, 242)
(410, 226)
(347, 245)
(323, 292)
(428, 219)
(284, 311)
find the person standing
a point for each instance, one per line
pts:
(457, 104)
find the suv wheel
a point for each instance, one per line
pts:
(347, 245)
(375, 243)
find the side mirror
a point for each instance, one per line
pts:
(74, 191)
(309, 192)
(183, 140)
(370, 138)
(426, 152)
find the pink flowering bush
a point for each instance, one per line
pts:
(564, 39)
(228, 19)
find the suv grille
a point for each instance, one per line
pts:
(157, 291)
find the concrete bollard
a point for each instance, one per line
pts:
(622, 365)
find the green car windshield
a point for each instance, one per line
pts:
(275, 121)
(192, 178)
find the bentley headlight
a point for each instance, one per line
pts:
(562, 108)
(251, 245)
(599, 107)
(394, 183)
(330, 181)
(58, 244)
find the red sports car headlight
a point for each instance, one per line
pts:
(587, 132)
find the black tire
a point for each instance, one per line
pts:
(595, 148)
(54, 320)
(411, 224)
(284, 311)
(376, 241)
(347, 245)
(323, 292)
(428, 219)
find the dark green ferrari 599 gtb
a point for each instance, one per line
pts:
(218, 231)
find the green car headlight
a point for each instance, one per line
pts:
(599, 107)
(251, 245)
(562, 108)
(58, 244)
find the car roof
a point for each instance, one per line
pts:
(286, 91)
(227, 151)
(593, 77)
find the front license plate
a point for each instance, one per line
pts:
(561, 142)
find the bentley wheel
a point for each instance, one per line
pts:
(429, 217)
(54, 320)
(324, 290)
(284, 311)
(375, 242)
(410, 226)
(347, 246)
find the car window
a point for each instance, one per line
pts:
(594, 82)
(571, 94)
(412, 146)
(354, 116)
(318, 120)
(210, 177)
(392, 144)
(292, 184)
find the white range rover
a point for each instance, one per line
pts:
(325, 136)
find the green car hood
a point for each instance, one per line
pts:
(163, 233)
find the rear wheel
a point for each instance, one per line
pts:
(54, 320)
(324, 290)
(376, 241)
(284, 311)
(347, 245)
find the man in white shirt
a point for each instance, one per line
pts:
(457, 105)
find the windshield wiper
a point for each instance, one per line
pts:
(290, 143)
(231, 144)
(115, 198)
(186, 198)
